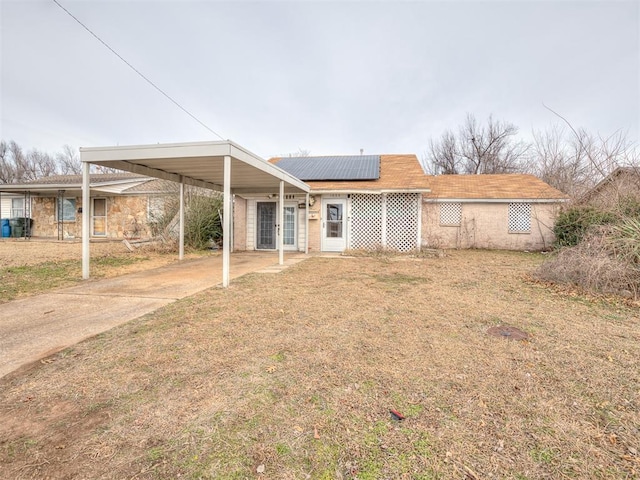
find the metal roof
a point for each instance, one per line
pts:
(197, 163)
(340, 167)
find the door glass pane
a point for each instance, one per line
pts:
(289, 226)
(99, 226)
(99, 217)
(100, 207)
(334, 220)
(266, 225)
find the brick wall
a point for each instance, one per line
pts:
(486, 225)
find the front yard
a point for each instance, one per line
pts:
(294, 375)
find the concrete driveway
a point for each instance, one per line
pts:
(38, 326)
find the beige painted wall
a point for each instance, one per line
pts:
(486, 225)
(122, 212)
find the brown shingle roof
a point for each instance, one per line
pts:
(504, 186)
(77, 179)
(397, 172)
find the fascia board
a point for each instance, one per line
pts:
(369, 191)
(494, 200)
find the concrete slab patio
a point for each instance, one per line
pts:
(38, 326)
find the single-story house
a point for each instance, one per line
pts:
(620, 185)
(387, 201)
(507, 211)
(123, 205)
(356, 202)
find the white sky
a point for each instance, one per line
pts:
(330, 77)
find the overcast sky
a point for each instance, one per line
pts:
(329, 77)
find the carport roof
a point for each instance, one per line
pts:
(197, 163)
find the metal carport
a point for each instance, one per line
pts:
(223, 166)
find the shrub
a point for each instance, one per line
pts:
(202, 221)
(625, 240)
(573, 223)
(594, 265)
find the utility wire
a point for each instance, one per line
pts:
(138, 71)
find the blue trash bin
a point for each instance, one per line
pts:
(5, 227)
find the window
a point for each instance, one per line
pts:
(289, 225)
(66, 209)
(17, 207)
(450, 214)
(519, 217)
(334, 220)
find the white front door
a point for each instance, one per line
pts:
(334, 225)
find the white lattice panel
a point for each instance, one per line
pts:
(366, 221)
(519, 217)
(450, 214)
(402, 221)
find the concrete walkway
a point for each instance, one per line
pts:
(38, 326)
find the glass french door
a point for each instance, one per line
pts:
(266, 228)
(289, 230)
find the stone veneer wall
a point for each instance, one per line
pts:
(123, 212)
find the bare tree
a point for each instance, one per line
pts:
(444, 155)
(574, 160)
(558, 162)
(6, 167)
(68, 161)
(40, 164)
(479, 149)
(16, 165)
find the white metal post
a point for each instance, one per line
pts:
(281, 225)
(226, 221)
(86, 218)
(181, 227)
(306, 224)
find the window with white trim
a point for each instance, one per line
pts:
(17, 207)
(66, 209)
(519, 217)
(450, 214)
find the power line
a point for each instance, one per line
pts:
(138, 71)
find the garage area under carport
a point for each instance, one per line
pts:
(222, 166)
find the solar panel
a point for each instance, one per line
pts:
(341, 167)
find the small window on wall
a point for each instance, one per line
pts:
(66, 209)
(450, 214)
(519, 217)
(17, 207)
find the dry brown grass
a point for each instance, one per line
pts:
(295, 373)
(32, 267)
(591, 265)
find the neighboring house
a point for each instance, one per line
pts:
(12, 205)
(356, 202)
(510, 211)
(387, 201)
(122, 204)
(620, 185)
